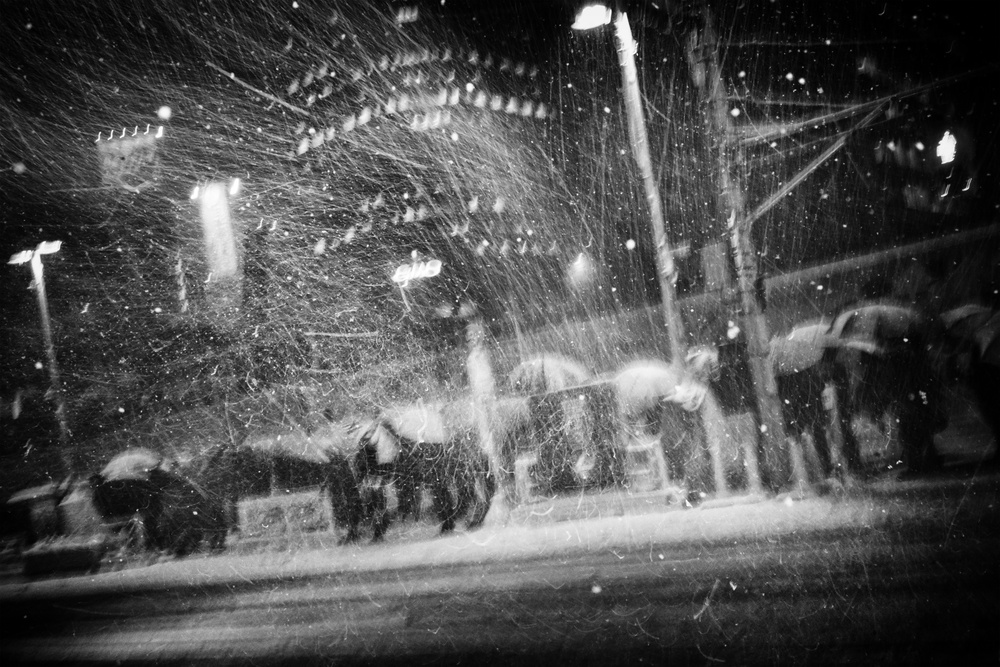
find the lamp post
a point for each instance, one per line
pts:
(593, 16)
(771, 425)
(34, 257)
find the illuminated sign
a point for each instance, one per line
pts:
(946, 147)
(129, 160)
(407, 272)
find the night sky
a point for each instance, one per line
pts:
(365, 136)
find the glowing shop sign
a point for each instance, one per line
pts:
(407, 272)
(946, 147)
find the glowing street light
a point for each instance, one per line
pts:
(34, 257)
(593, 16)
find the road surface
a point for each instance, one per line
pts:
(914, 578)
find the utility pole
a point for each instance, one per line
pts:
(703, 60)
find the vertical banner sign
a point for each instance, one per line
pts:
(223, 286)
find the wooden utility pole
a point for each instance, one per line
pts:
(703, 60)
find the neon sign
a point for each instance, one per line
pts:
(407, 272)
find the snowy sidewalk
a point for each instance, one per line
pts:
(537, 534)
(732, 524)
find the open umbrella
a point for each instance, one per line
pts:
(866, 325)
(547, 372)
(643, 384)
(436, 422)
(374, 433)
(987, 338)
(987, 372)
(966, 319)
(291, 443)
(335, 437)
(802, 348)
(973, 326)
(133, 464)
(129, 486)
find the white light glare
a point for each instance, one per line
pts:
(234, 187)
(592, 16)
(946, 147)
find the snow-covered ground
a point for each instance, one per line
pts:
(561, 527)
(533, 533)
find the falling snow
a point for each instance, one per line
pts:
(278, 215)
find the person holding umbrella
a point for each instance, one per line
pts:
(128, 494)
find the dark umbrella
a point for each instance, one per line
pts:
(986, 373)
(965, 320)
(975, 325)
(987, 339)
(867, 325)
(547, 372)
(132, 483)
(334, 438)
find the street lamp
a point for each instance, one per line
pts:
(593, 16)
(34, 257)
